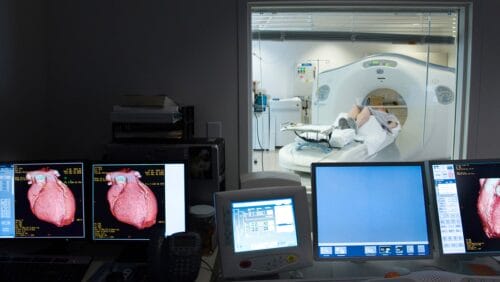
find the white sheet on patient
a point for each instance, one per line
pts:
(374, 135)
(341, 137)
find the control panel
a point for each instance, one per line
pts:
(269, 263)
(380, 63)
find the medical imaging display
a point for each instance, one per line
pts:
(263, 224)
(126, 200)
(50, 199)
(488, 206)
(262, 231)
(467, 196)
(130, 199)
(370, 211)
(42, 200)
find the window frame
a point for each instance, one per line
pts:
(464, 37)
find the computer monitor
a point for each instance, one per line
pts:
(129, 199)
(263, 231)
(370, 211)
(467, 197)
(42, 200)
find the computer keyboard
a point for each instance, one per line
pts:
(43, 268)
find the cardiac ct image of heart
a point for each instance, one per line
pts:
(50, 199)
(488, 206)
(130, 200)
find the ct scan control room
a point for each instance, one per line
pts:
(237, 140)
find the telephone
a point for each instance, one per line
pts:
(174, 258)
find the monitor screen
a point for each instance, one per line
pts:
(272, 223)
(370, 211)
(130, 198)
(467, 194)
(263, 230)
(42, 200)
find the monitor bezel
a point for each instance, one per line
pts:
(84, 199)
(435, 212)
(230, 260)
(138, 241)
(370, 258)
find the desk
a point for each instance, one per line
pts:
(410, 270)
(209, 272)
(101, 267)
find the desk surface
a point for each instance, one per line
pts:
(104, 257)
(441, 269)
(101, 267)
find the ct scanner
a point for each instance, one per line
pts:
(420, 94)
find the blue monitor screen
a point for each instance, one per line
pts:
(369, 211)
(42, 200)
(467, 196)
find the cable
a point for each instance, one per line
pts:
(262, 85)
(257, 130)
(214, 275)
(258, 141)
(426, 78)
(260, 63)
(262, 160)
(209, 267)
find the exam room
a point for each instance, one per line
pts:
(311, 67)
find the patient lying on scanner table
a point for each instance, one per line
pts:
(359, 115)
(372, 125)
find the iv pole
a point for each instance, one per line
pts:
(316, 74)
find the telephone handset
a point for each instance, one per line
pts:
(176, 257)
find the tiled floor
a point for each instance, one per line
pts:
(265, 160)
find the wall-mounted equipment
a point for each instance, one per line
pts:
(306, 72)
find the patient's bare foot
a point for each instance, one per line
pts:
(343, 123)
(346, 123)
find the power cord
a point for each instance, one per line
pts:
(215, 275)
(258, 141)
(208, 266)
